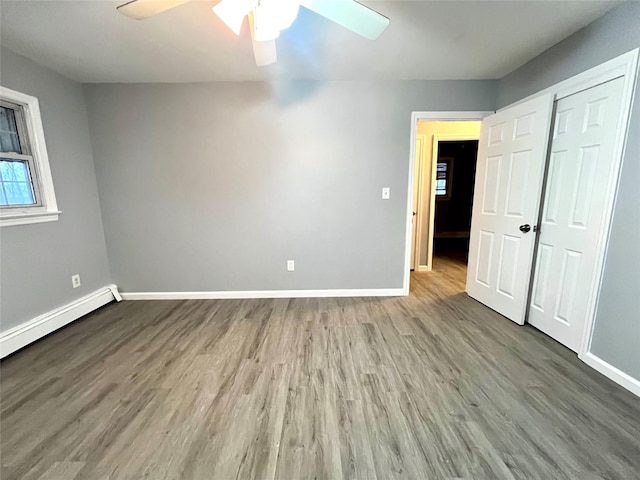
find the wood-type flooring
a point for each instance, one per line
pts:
(430, 386)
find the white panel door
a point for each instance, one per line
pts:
(506, 201)
(579, 175)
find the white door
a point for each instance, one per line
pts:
(506, 201)
(579, 175)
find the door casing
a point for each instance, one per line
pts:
(415, 117)
(566, 242)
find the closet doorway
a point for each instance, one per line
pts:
(546, 181)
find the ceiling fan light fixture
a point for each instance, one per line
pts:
(281, 13)
(263, 32)
(232, 12)
(273, 16)
(267, 18)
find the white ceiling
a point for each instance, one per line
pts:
(88, 41)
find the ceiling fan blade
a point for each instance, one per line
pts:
(351, 15)
(264, 51)
(141, 9)
(232, 12)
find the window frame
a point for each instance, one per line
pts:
(30, 122)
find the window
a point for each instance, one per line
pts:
(16, 163)
(26, 188)
(443, 178)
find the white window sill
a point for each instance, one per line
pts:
(9, 219)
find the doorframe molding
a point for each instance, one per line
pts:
(432, 186)
(421, 139)
(625, 65)
(415, 117)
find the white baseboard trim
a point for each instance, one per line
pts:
(381, 292)
(618, 376)
(423, 268)
(32, 330)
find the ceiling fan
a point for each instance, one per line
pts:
(267, 18)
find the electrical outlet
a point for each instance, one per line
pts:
(75, 281)
(291, 265)
(386, 193)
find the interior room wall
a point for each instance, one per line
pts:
(428, 128)
(213, 187)
(38, 260)
(616, 334)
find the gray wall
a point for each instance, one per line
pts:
(616, 338)
(38, 260)
(210, 187)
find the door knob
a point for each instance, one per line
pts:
(525, 228)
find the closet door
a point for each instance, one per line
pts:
(511, 159)
(578, 178)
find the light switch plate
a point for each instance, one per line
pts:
(386, 193)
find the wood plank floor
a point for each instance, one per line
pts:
(431, 386)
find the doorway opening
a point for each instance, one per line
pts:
(444, 151)
(454, 182)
